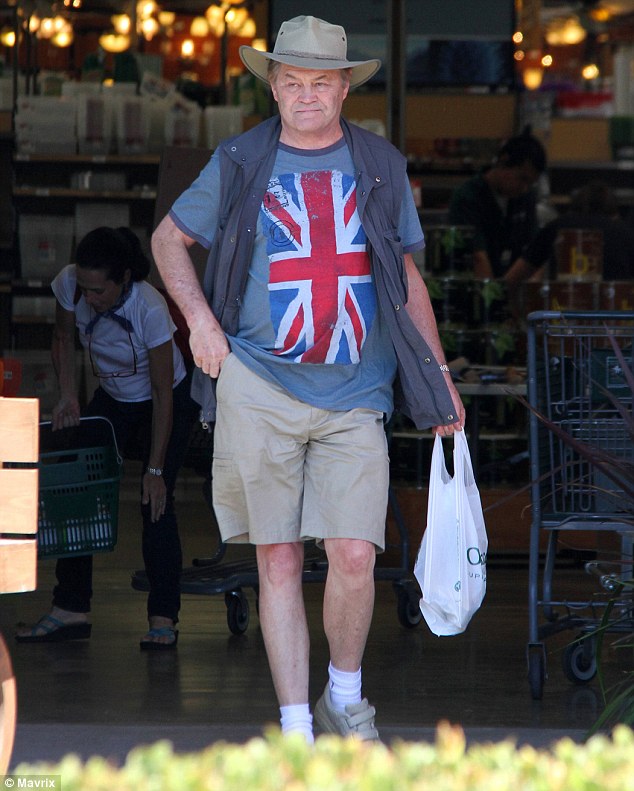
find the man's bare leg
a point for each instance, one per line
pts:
(348, 607)
(285, 631)
(348, 600)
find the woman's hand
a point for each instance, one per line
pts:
(154, 493)
(66, 413)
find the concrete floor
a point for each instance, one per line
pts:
(103, 696)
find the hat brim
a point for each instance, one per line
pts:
(257, 63)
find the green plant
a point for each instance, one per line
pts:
(277, 763)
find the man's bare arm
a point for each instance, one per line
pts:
(170, 248)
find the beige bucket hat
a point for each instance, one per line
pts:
(310, 43)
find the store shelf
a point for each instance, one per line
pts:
(67, 192)
(58, 197)
(90, 159)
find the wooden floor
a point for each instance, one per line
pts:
(104, 695)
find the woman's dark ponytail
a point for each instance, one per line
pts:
(113, 250)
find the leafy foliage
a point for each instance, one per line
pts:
(277, 763)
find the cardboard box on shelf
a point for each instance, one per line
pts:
(5, 121)
(89, 216)
(46, 243)
(37, 378)
(579, 139)
(132, 124)
(40, 308)
(46, 124)
(94, 124)
(220, 123)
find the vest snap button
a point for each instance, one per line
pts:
(427, 359)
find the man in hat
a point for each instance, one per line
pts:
(311, 309)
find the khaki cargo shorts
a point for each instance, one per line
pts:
(286, 471)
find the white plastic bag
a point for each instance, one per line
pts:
(451, 562)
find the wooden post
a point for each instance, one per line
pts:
(19, 443)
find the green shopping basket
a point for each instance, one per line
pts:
(78, 491)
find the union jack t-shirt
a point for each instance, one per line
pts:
(322, 299)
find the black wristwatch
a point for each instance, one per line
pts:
(158, 471)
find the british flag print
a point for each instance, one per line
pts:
(322, 298)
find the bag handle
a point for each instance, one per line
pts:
(462, 457)
(95, 417)
(438, 465)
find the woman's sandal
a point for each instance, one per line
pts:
(51, 630)
(162, 631)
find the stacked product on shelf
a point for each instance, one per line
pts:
(46, 124)
(111, 121)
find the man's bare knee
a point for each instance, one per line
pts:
(352, 558)
(279, 563)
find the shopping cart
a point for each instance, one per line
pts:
(213, 575)
(79, 473)
(576, 382)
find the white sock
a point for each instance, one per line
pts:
(345, 688)
(297, 719)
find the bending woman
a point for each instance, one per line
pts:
(125, 325)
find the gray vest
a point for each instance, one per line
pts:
(246, 163)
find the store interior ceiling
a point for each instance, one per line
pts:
(548, 7)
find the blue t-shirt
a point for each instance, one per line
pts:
(309, 320)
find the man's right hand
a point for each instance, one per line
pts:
(66, 413)
(209, 346)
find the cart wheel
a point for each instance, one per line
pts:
(536, 674)
(579, 661)
(408, 611)
(237, 612)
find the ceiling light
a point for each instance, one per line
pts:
(563, 31)
(63, 37)
(149, 28)
(114, 42)
(7, 37)
(532, 77)
(145, 9)
(236, 17)
(121, 23)
(590, 71)
(47, 27)
(166, 18)
(215, 17)
(199, 27)
(187, 48)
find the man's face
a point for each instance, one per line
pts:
(514, 181)
(310, 104)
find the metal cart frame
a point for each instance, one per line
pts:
(575, 381)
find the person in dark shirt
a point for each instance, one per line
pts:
(593, 207)
(500, 203)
